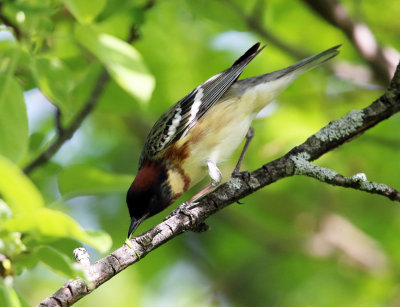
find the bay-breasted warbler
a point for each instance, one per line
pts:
(202, 130)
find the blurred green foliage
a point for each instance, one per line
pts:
(295, 243)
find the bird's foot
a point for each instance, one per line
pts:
(245, 175)
(242, 175)
(183, 209)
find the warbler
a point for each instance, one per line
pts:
(202, 130)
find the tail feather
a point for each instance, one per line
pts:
(315, 60)
(300, 67)
(250, 54)
(264, 88)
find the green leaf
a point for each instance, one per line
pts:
(85, 11)
(17, 190)
(53, 79)
(5, 211)
(22, 301)
(57, 261)
(122, 61)
(46, 224)
(36, 141)
(84, 179)
(11, 244)
(13, 120)
(24, 261)
(8, 296)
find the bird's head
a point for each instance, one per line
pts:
(149, 193)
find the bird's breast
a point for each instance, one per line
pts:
(215, 137)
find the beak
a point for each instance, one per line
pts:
(135, 224)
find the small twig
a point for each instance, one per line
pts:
(82, 256)
(255, 24)
(358, 33)
(357, 182)
(9, 23)
(67, 132)
(328, 138)
(148, 5)
(345, 71)
(59, 127)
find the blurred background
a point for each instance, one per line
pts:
(81, 84)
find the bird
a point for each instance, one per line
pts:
(202, 130)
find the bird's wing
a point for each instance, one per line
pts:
(177, 120)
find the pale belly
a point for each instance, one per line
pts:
(215, 138)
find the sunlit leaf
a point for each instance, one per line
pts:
(57, 261)
(54, 82)
(11, 244)
(8, 296)
(84, 179)
(45, 224)
(22, 301)
(124, 62)
(17, 190)
(5, 211)
(85, 11)
(36, 141)
(24, 261)
(13, 120)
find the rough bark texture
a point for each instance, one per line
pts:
(295, 162)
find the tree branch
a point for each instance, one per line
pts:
(358, 181)
(254, 22)
(359, 34)
(192, 219)
(382, 63)
(65, 133)
(9, 23)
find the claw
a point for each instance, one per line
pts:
(183, 209)
(245, 175)
(235, 174)
(191, 205)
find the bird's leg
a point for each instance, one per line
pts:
(192, 201)
(249, 137)
(216, 177)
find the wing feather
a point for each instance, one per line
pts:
(181, 117)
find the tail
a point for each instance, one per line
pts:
(266, 87)
(249, 54)
(310, 62)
